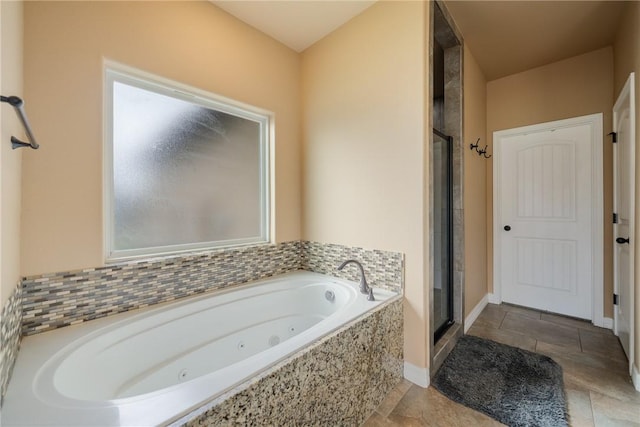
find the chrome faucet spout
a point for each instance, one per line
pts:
(364, 287)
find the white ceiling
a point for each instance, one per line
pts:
(505, 37)
(508, 37)
(296, 23)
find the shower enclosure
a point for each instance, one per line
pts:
(443, 232)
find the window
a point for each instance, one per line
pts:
(185, 169)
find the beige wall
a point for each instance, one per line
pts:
(364, 145)
(191, 42)
(10, 160)
(626, 55)
(475, 190)
(570, 88)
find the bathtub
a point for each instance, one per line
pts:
(152, 366)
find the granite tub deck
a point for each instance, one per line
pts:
(56, 300)
(338, 380)
(119, 371)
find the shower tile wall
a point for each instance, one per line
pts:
(9, 337)
(52, 301)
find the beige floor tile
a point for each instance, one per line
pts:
(491, 316)
(408, 411)
(407, 421)
(602, 344)
(505, 337)
(427, 407)
(593, 360)
(579, 405)
(488, 323)
(598, 388)
(393, 398)
(404, 386)
(377, 420)
(522, 311)
(542, 330)
(608, 411)
(576, 323)
(603, 381)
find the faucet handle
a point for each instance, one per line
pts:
(370, 297)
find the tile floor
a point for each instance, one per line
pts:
(599, 390)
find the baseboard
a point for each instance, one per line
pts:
(418, 376)
(603, 322)
(494, 299)
(635, 376)
(468, 321)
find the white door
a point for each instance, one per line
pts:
(623, 206)
(547, 213)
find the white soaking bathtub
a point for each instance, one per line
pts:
(151, 366)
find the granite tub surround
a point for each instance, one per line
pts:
(9, 337)
(339, 380)
(383, 268)
(56, 300)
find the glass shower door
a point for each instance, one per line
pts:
(443, 233)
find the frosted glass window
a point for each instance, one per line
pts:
(187, 172)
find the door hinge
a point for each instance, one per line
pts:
(615, 218)
(615, 299)
(614, 137)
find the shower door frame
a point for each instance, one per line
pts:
(440, 331)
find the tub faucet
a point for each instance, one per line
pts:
(364, 287)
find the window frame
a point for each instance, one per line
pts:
(115, 72)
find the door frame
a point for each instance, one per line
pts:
(597, 225)
(627, 90)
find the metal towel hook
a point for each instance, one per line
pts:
(18, 104)
(482, 152)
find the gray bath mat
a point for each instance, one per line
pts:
(513, 386)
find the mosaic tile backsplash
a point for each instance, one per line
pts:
(62, 299)
(383, 269)
(55, 300)
(9, 337)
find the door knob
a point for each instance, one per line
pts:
(622, 240)
(507, 227)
